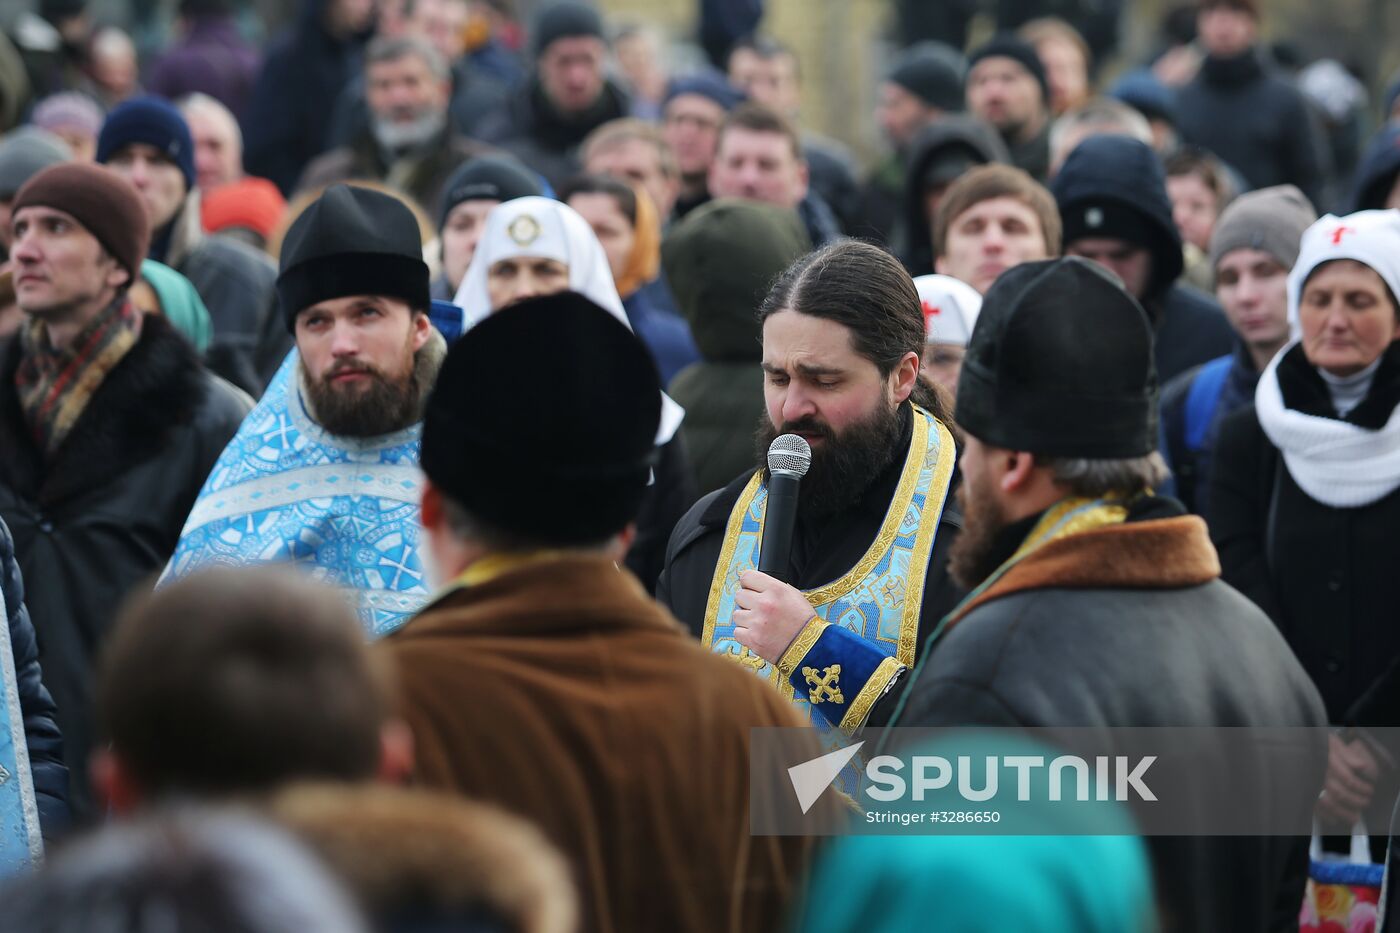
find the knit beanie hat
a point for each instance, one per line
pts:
(254, 203)
(932, 72)
(710, 84)
(488, 178)
(24, 153)
(68, 110)
(154, 122)
(1270, 219)
(352, 241)
(105, 204)
(1020, 51)
(566, 20)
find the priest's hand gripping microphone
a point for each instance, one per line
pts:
(789, 456)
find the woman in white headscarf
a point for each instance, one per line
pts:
(538, 246)
(1304, 503)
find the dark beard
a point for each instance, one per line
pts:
(844, 466)
(379, 407)
(976, 552)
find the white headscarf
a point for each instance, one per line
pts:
(1335, 462)
(950, 308)
(543, 228)
(1371, 238)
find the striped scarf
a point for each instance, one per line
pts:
(55, 385)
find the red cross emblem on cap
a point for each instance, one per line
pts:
(1339, 233)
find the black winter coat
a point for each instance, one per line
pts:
(40, 727)
(1326, 576)
(288, 120)
(1191, 329)
(1130, 625)
(105, 514)
(1380, 166)
(1191, 469)
(1257, 121)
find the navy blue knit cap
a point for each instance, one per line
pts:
(709, 84)
(154, 122)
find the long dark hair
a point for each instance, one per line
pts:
(864, 288)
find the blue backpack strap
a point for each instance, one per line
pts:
(1203, 399)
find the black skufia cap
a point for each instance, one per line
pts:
(352, 241)
(562, 457)
(1060, 364)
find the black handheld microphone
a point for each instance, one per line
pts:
(789, 456)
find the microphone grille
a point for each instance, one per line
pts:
(789, 453)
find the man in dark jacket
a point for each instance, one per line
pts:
(1378, 176)
(35, 704)
(768, 72)
(1007, 87)
(287, 123)
(211, 57)
(1254, 244)
(1239, 109)
(843, 330)
(691, 116)
(720, 261)
(924, 85)
(759, 157)
(475, 93)
(1097, 604)
(410, 142)
(147, 141)
(1112, 193)
(567, 97)
(938, 156)
(108, 422)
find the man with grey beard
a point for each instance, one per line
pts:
(410, 143)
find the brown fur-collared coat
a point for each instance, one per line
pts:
(561, 692)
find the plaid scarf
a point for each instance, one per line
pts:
(55, 385)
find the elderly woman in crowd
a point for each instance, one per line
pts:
(537, 246)
(1304, 506)
(625, 222)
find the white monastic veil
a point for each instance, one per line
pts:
(548, 229)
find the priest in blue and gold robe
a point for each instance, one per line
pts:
(323, 473)
(843, 331)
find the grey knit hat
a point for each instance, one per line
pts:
(1270, 219)
(26, 152)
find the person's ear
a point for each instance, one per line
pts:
(118, 277)
(803, 178)
(1018, 468)
(422, 329)
(112, 786)
(905, 376)
(432, 515)
(622, 543)
(395, 753)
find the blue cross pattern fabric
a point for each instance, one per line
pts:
(21, 846)
(344, 509)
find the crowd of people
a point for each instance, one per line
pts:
(384, 419)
